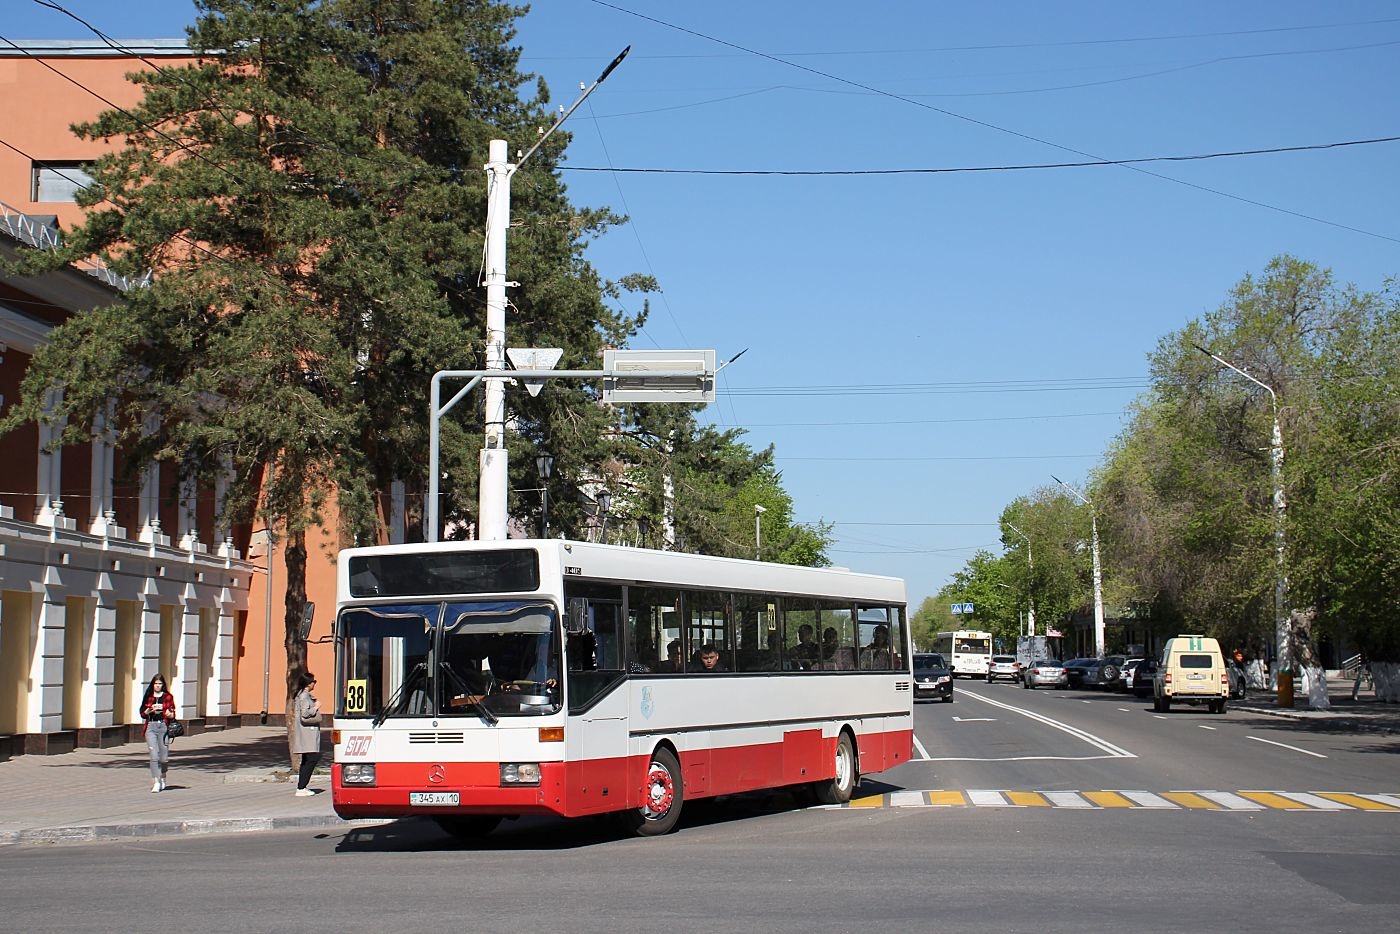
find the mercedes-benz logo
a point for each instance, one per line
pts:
(436, 774)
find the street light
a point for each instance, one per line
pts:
(603, 499)
(758, 532)
(1098, 574)
(1281, 635)
(544, 463)
(1030, 600)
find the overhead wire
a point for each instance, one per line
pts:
(989, 125)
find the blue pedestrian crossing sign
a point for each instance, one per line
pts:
(962, 609)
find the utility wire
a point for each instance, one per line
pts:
(990, 126)
(1195, 157)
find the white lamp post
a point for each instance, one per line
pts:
(1098, 573)
(758, 532)
(1283, 650)
(1030, 599)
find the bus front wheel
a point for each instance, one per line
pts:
(838, 790)
(663, 793)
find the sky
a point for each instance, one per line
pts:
(922, 348)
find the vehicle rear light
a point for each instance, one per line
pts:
(1168, 678)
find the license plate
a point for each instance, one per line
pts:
(434, 798)
(1195, 676)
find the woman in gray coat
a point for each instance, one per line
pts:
(306, 732)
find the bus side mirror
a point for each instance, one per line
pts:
(576, 616)
(307, 615)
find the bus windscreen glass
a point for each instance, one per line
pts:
(418, 574)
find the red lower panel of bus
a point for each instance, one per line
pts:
(594, 786)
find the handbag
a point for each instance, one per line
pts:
(173, 730)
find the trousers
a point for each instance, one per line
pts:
(158, 748)
(308, 764)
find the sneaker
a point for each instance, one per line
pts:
(155, 787)
(304, 792)
(162, 784)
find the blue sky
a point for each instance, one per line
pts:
(924, 348)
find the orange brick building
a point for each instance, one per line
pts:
(107, 580)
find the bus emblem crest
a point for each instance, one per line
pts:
(648, 706)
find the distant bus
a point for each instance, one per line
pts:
(967, 651)
(482, 680)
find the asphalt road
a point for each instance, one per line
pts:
(761, 864)
(1000, 736)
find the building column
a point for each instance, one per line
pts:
(103, 520)
(45, 713)
(148, 642)
(187, 530)
(148, 514)
(48, 481)
(186, 688)
(222, 691)
(102, 670)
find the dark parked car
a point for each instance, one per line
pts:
(1094, 672)
(932, 677)
(1138, 678)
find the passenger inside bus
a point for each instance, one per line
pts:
(707, 659)
(876, 655)
(672, 663)
(835, 657)
(805, 653)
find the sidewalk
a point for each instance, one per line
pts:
(1363, 715)
(226, 781)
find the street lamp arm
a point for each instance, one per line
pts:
(1228, 365)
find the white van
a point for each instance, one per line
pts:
(1192, 671)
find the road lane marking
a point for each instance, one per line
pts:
(1123, 799)
(1286, 746)
(974, 719)
(923, 753)
(1116, 752)
(1204, 727)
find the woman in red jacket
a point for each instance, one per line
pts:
(157, 709)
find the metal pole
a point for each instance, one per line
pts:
(267, 628)
(758, 512)
(491, 511)
(1030, 597)
(1098, 572)
(1281, 633)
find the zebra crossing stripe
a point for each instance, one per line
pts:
(1315, 802)
(1272, 800)
(1360, 802)
(1135, 800)
(1189, 799)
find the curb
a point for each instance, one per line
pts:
(1324, 721)
(100, 833)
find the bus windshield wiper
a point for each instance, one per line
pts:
(463, 690)
(420, 670)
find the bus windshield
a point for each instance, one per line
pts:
(479, 660)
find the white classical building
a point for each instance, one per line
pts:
(99, 590)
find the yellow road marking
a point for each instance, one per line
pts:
(950, 798)
(1189, 799)
(874, 801)
(1271, 800)
(1356, 801)
(1027, 799)
(1110, 799)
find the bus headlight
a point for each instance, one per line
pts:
(520, 773)
(357, 773)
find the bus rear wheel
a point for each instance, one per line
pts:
(663, 793)
(468, 826)
(838, 790)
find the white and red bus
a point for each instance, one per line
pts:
(482, 680)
